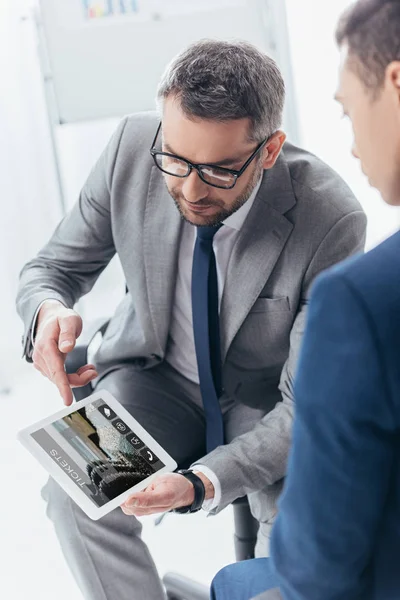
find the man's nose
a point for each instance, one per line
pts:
(194, 189)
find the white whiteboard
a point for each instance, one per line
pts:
(110, 66)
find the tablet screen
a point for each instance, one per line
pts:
(98, 451)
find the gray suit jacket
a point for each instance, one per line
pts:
(303, 220)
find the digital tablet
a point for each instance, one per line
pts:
(97, 452)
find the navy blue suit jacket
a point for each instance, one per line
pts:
(337, 535)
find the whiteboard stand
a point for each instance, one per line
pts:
(51, 104)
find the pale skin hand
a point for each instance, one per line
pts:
(56, 333)
(165, 493)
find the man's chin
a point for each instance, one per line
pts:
(201, 221)
(209, 217)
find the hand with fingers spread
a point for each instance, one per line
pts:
(165, 493)
(57, 330)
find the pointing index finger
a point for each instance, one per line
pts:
(55, 364)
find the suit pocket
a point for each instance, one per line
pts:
(262, 305)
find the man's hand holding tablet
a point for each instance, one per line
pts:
(165, 493)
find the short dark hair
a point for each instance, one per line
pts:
(215, 79)
(371, 29)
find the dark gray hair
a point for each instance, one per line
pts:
(223, 81)
(371, 29)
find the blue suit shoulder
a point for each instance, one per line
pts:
(369, 285)
(374, 276)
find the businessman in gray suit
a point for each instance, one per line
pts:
(221, 227)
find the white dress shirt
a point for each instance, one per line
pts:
(181, 353)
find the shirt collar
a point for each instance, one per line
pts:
(236, 220)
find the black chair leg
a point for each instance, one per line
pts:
(246, 529)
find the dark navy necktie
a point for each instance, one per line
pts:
(206, 332)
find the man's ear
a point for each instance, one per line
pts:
(393, 76)
(273, 149)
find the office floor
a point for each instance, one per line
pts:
(31, 562)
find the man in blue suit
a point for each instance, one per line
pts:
(337, 535)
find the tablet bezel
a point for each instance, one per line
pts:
(93, 511)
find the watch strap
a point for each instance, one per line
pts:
(199, 493)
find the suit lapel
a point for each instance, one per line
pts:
(256, 250)
(162, 227)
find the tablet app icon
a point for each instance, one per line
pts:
(149, 456)
(107, 412)
(135, 441)
(121, 426)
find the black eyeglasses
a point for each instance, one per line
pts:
(213, 175)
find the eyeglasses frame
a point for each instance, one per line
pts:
(236, 173)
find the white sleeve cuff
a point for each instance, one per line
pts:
(35, 319)
(209, 505)
(34, 322)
